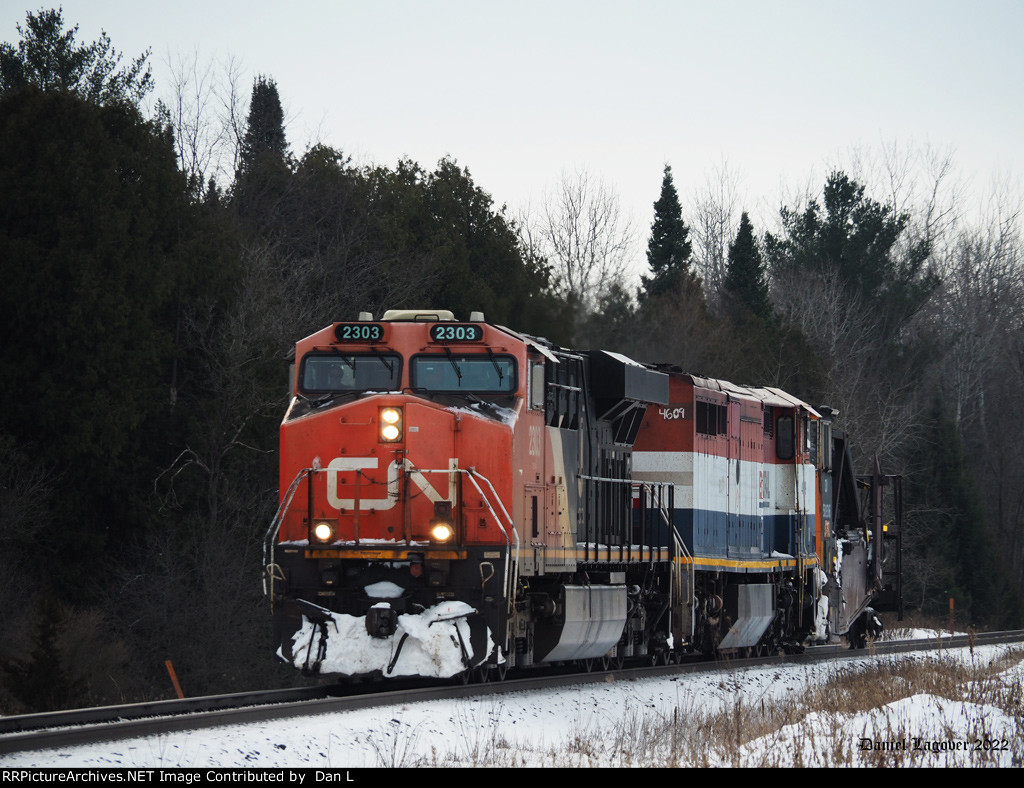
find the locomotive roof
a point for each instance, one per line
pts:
(537, 343)
(767, 395)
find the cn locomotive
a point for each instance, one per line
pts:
(459, 499)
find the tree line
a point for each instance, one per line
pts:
(907, 320)
(158, 269)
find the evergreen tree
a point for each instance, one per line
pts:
(857, 238)
(468, 250)
(264, 128)
(264, 173)
(613, 325)
(94, 219)
(668, 250)
(48, 57)
(746, 282)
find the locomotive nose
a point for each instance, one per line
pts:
(381, 620)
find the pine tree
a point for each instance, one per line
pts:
(264, 132)
(668, 250)
(265, 169)
(48, 57)
(858, 239)
(746, 283)
(99, 244)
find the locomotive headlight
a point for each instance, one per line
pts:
(441, 532)
(441, 525)
(323, 532)
(390, 424)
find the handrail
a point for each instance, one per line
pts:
(270, 538)
(680, 549)
(472, 474)
(269, 541)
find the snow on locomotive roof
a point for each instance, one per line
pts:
(624, 359)
(766, 394)
(533, 342)
(779, 398)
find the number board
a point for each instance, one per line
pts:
(359, 332)
(456, 332)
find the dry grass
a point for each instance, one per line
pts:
(817, 723)
(809, 728)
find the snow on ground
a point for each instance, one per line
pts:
(919, 634)
(921, 730)
(612, 723)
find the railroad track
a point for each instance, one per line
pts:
(84, 726)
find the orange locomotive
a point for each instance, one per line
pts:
(458, 498)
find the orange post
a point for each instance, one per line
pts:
(174, 680)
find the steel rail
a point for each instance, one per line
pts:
(33, 732)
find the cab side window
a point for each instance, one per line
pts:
(784, 438)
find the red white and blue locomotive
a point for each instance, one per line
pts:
(459, 498)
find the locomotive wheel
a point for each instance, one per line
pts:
(475, 675)
(500, 666)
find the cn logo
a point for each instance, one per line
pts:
(358, 464)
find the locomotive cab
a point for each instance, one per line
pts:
(389, 519)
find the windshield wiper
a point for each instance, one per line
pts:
(451, 360)
(322, 400)
(349, 360)
(494, 361)
(389, 366)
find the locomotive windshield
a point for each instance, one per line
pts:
(455, 373)
(331, 372)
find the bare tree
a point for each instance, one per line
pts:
(197, 140)
(233, 95)
(923, 182)
(978, 309)
(583, 233)
(878, 410)
(206, 105)
(941, 197)
(979, 313)
(715, 212)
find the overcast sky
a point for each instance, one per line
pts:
(779, 91)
